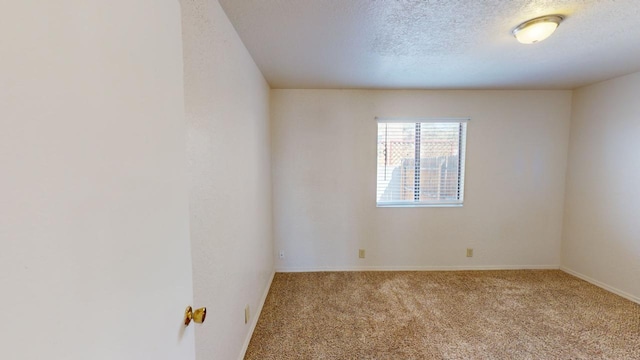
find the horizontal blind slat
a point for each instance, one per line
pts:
(387, 120)
(439, 177)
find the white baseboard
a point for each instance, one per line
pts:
(597, 283)
(420, 268)
(256, 316)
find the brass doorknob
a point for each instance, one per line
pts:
(198, 316)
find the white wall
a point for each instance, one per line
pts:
(601, 239)
(324, 171)
(227, 106)
(95, 256)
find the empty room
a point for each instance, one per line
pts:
(319, 179)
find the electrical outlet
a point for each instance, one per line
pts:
(361, 253)
(247, 314)
(469, 252)
(281, 254)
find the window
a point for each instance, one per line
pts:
(421, 162)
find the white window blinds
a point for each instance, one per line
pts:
(421, 162)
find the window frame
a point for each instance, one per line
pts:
(461, 156)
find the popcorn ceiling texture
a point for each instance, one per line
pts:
(524, 314)
(435, 43)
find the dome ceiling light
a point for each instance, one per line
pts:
(538, 29)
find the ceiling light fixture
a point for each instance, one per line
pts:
(538, 29)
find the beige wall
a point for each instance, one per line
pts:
(227, 102)
(601, 239)
(324, 171)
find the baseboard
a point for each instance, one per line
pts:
(421, 268)
(256, 316)
(600, 284)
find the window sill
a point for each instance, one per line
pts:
(418, 205)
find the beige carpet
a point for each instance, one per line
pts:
(443, 315)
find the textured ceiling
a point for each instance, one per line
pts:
(438, 44)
